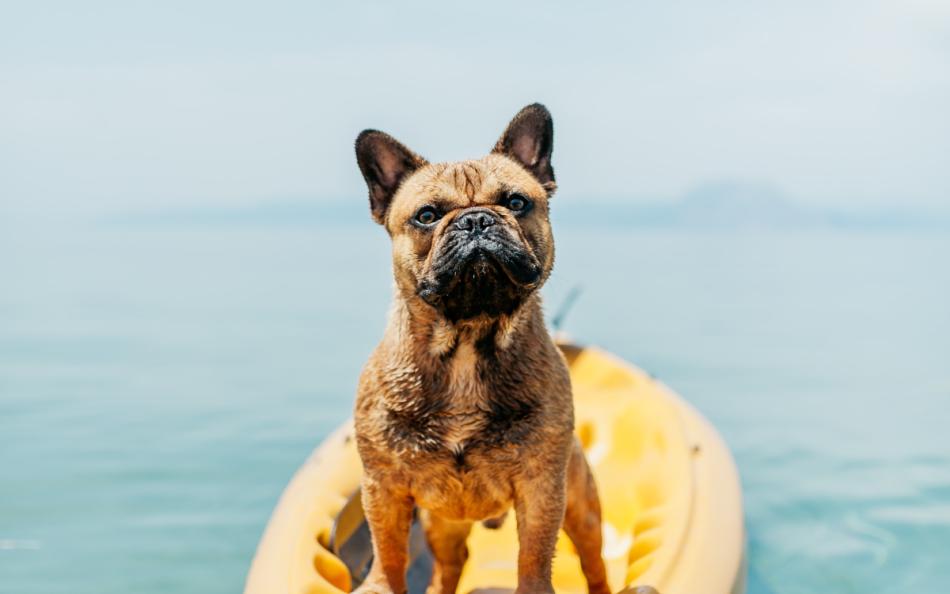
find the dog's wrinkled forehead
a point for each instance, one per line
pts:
(399, 179)
(462, 184)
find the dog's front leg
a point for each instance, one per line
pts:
(388, 510)
(539, 508)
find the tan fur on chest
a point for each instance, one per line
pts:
(466, 397)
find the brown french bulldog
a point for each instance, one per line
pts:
(465, 408)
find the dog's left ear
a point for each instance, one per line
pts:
(384, 163)
(529, 140)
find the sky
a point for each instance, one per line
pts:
(124, 106)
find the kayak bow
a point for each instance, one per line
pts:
(669, 489)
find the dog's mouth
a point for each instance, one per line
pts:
(488, 273)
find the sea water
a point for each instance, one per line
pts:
(159, 384)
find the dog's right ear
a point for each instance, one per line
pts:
(385, 163)
(529, 140)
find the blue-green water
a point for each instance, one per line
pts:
(159, 385)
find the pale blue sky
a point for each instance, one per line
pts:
(131, 106)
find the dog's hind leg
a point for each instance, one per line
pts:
(582, 521)
(447, 542)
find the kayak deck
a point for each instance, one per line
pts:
(669, 491)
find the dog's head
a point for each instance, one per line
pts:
(471, 238)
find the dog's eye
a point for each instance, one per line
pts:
(426, 216)
(516, 202)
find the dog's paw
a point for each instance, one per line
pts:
(639, 590)
(373, 588)
(534, 591)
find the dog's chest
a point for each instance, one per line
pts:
(465, 414)
(465, 409)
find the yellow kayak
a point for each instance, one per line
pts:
(669, 489)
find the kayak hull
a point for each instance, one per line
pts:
(669, 489)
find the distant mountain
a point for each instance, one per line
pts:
(278, 212)
(735, 205)
(717, 205)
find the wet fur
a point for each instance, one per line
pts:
(465, 407)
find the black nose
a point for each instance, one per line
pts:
(475, 220)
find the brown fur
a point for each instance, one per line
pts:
(467, 417)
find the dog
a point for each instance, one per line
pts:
(465, 409)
